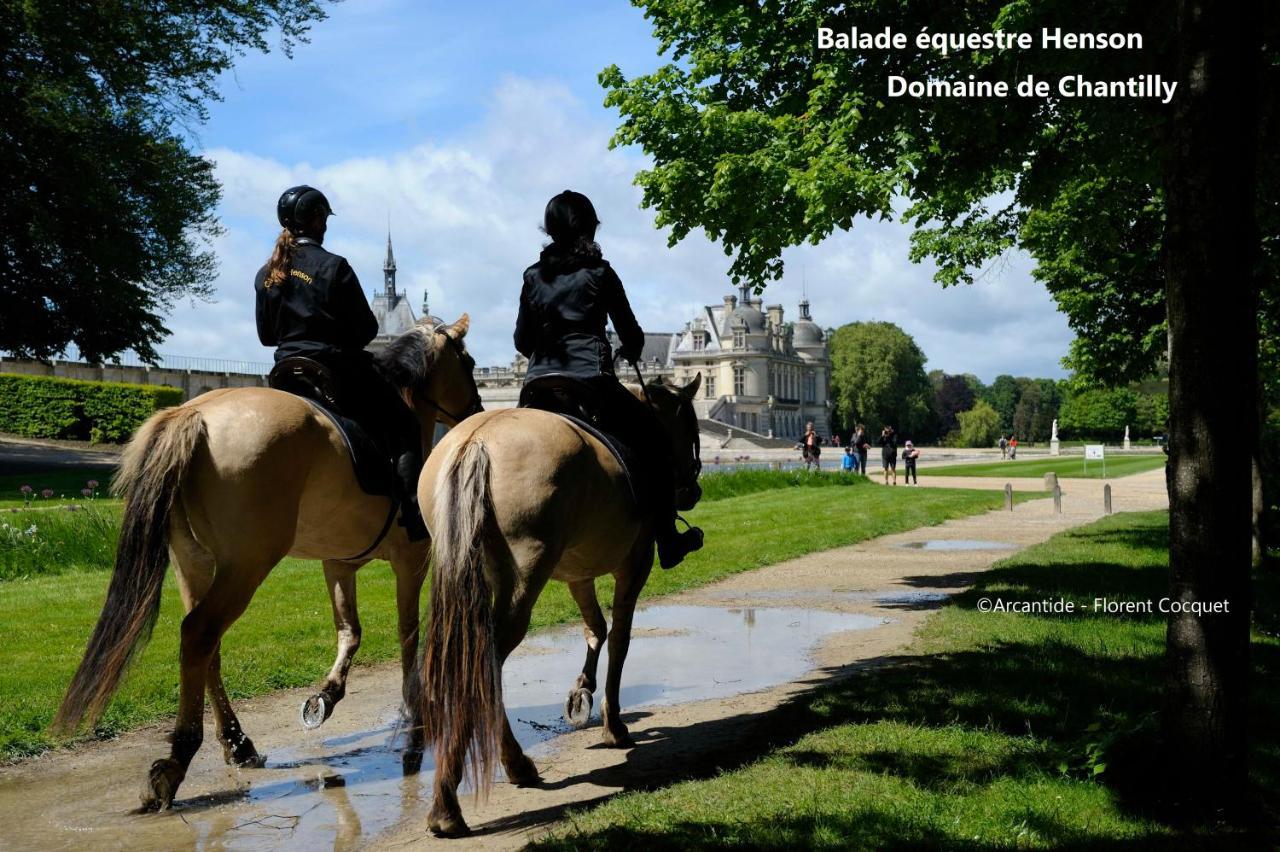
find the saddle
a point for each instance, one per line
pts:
(571, 398)
(316, 383)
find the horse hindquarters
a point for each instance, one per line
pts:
(462, 681)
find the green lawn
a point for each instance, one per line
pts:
(995, 731)
(1067, 467)
(286, 637)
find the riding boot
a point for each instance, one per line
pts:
(408, 466)
(674, 546)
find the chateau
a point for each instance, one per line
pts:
(760, 374)
(391, 307)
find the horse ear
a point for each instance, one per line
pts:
(459, 329)
(690, 390)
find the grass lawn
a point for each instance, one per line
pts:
(1067, 467)
(286, 637)
(997, 730)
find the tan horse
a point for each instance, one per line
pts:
(226, 486)
(513, 499)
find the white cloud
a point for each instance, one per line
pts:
(464, 214)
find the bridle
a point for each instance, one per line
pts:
(468, 363)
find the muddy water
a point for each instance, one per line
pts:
(336, 788)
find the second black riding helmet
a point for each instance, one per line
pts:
(297, 206)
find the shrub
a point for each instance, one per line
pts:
(46, 407)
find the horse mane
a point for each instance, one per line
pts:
(408, 359)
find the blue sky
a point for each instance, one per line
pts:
(458, 126)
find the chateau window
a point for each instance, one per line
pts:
(739, 381)
(710, 385)
(739, 338)
(697, 341)
(772, 379)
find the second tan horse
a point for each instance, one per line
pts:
(513, 499)
(227, 485)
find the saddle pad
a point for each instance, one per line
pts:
(374, 471)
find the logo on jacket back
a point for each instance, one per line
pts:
(298, 273)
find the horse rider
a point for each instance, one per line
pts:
(566, 298)
(310, 304)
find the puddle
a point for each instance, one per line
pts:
(339, 791)
(834, 596)
(959, 544)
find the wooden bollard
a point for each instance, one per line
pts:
(1106, 498)
(1050, 481)
(776, 465)
(1008, 496)
(1057, 499)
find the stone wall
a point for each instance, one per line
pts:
(191, 382)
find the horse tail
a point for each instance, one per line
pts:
(462, 683)
(150, 475)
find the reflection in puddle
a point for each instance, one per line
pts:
(340, 791)
(959, 544)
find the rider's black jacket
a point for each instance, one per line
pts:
(318, 310)
(561, 325)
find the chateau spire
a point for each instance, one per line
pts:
(389, 269)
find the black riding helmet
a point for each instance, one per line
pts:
(298, 205)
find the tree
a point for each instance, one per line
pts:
(105, 212)
(979, 427)
(1003, 396)
(952, 395)
(1097, 412)
(878, 378)
(764, 142)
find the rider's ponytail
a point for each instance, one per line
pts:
(281, 260)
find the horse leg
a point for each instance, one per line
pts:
(194, 567)
(577, 708)
(410, 566)
(202, 631)
(510, 625)
(340, 578)
(627, 585)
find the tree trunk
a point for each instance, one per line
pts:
(1211, 244)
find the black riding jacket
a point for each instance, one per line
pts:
(561, 325)
(318, 310)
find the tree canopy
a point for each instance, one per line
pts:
(105, 211)
(878, 378)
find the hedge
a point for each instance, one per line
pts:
(46, 407)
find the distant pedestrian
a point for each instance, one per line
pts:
(889, 453)
(810, 447)
(1004, 448)
(909, 456)
(849, 464)
(860, 446)
(1013, 447)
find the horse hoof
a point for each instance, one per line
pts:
(524, 773)
(577, 708)
(448, 826)
(243, 754)
(162, 785)
(315, 710)
(620, 738)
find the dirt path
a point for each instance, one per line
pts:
(752, 647)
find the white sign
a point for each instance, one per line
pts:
(1094, 451)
